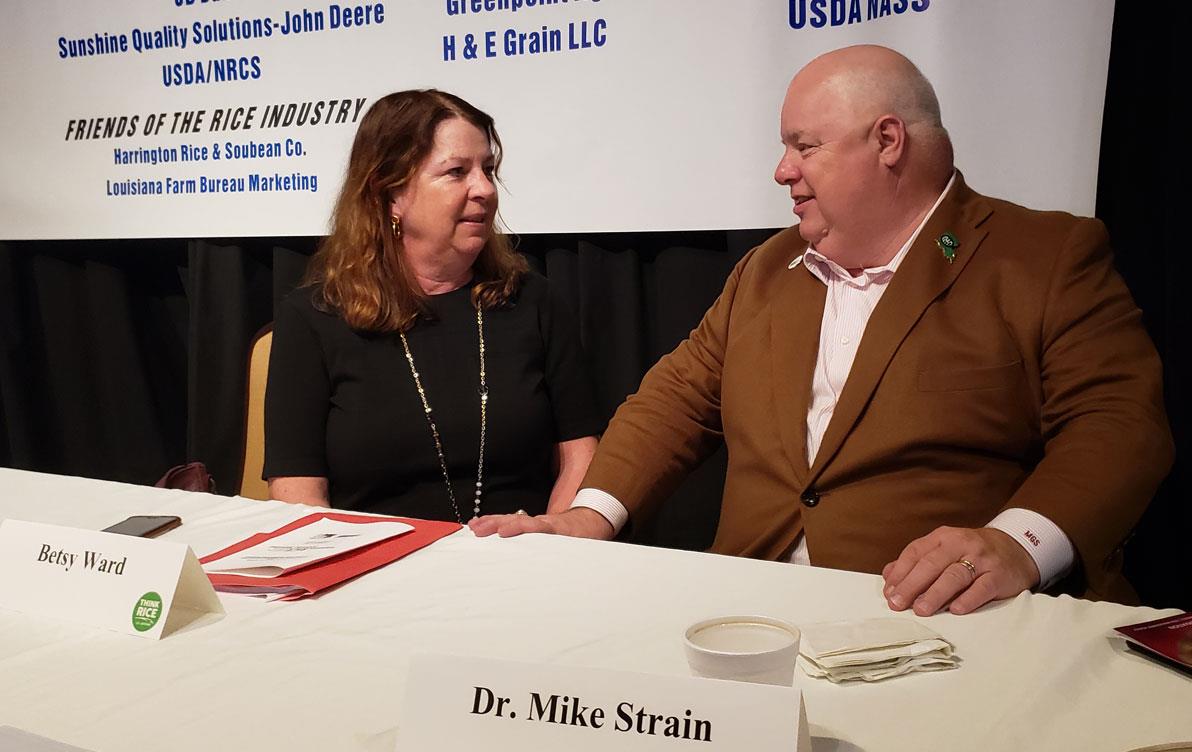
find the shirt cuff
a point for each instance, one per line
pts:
(604, 503)
(1042, 539)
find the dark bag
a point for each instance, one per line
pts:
(192, 476)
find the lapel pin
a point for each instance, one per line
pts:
(948, 245)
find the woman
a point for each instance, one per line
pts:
(422, 370)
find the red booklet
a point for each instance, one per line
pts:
(328, 572)
(1167, 640)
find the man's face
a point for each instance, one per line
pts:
(829, 163)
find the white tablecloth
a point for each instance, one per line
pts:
(328, 673)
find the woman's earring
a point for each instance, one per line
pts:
(395, 224)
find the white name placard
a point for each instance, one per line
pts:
(456, 702)
(145, 588)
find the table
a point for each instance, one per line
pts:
(328, 673)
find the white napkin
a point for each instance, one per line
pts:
(872, 649)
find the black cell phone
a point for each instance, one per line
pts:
(144, 526)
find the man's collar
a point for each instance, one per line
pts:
(824, 268)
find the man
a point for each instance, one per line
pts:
(916, 380)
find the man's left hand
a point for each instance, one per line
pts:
(929, 574)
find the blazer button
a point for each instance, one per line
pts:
(810, 497)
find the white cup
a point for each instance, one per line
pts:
(754, 649)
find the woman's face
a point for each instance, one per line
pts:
(449, 205)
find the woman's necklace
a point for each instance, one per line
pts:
(434, 431)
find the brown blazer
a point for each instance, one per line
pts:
(1017, 376)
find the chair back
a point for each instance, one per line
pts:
(251, 485)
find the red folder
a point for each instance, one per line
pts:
(1168, 640)
(324, 574)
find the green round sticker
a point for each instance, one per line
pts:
(147, 611)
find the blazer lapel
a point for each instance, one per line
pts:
(923, 276)
(795, 318)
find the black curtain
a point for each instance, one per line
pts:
(119, 359)
(1142, 195)
(93, 354)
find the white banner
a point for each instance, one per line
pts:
(209, 118)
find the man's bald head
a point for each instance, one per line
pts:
(865, 152)
(869, 81)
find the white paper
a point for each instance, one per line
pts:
(872, 649)
(872, 674)
(831, 638)
(266, 592)
(876, 656)
(308, 544)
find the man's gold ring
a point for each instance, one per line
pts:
(969, 566)
(521, 511)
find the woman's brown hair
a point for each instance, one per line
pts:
(360, 269)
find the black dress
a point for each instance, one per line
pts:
(342, 404)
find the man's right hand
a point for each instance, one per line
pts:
(578, 522)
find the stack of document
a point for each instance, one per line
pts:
(872, 649)
(316, 552)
